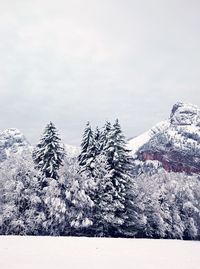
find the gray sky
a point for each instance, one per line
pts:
(73, 61)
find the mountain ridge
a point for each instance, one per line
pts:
(175, 143)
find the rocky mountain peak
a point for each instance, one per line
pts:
(185, 114)
(12, 141)
(175, 144)
(12, 137)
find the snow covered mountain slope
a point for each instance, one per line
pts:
(137, 142)
(174, 143)
(12, 141)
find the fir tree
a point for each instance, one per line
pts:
(49, 153)
(88, 151)
(112, 189)
(116, 151)
(104, 208)
(48, 157)
(86, 145)
(104, 136)
(97, 141)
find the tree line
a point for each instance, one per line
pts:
(47, 192)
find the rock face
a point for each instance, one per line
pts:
(184, 114)
(12, 141)
(176, 145)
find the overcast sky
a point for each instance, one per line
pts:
(73, 61)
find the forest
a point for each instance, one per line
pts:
(48, 192)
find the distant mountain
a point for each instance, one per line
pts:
(72, 151)
(173, 144)
(12, 141)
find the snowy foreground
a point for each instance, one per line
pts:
(92, 253)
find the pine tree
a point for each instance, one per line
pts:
(116, 151)
(86, 145)
(97, 141)
(104, 136)
(88, 151)
(48, 157)
(112, 188)
(49, 153)
(104, 208)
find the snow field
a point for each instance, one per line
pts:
(97, 253)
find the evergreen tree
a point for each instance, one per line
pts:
(117, 154)
(86, 145)
(88, 151)
(104, 204)
(112, 188)
(97, 141)
(49, 153)
(104, 136)
(48, 157)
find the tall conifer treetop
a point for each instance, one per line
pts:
(49, 153)
(118, 157)
(97, 137)
(105, 135)
(87, 147)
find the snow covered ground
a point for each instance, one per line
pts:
(97, 253)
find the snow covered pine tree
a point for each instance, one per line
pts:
(48, 158)
(112, 190)
(88, 151)
(105, 135)
(49, 153)
(88, 166)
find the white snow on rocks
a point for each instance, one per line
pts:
(137, 142)
(185, 114)
(12, 137)
(12, 141)
(184, 119)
